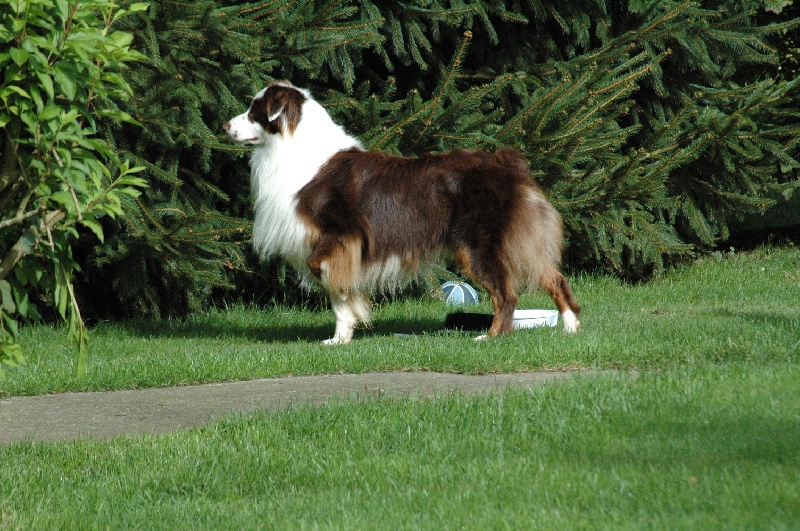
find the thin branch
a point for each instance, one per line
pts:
(18, 251)
(19, 218)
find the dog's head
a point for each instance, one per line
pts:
(276, 110)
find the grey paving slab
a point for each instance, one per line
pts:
(104, 415)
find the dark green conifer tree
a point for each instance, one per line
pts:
(651, 124)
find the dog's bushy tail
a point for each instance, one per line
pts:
(533, 240)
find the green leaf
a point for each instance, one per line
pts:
(47, 84)
(138, 7)
(7, 297)
(66, 82)
(64, 198)
(95, 227)
(7, 90)
(28, 240)
(49, 112)
(11, 324)
(132, 181)
(23, 304)
(117, 114)
(20, 57)
(11, 355)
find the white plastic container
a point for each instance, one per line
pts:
(534, 318)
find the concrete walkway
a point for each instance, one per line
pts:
(103, 415)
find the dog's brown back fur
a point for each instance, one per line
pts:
(365, 208)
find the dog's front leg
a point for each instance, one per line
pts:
(346, 319)
(349, 309)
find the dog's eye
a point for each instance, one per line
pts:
(250, 117)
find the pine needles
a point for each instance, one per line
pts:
(650, 124)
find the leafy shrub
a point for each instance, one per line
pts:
(62, 65)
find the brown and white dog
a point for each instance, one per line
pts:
(356, 221)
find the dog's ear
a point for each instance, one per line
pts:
(283, 106)
(274, 102)
(274, 116)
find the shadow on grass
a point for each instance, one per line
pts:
(777, 319)
(271, 331)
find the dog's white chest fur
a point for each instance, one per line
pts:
(279, 169)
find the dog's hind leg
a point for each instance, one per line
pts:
(556, 285)
(497, 281)
(504, 302)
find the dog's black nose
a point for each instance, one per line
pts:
(226, 126)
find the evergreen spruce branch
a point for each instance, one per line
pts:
(570, 89)
(776, 27)
(744, 44)
(271, 9)
(606, 55)
(699, 221)
(231, 225)
(617, 179)
(662, 238)
(488, 26)
(445, 84)
(549, 99)
(207, 186)
(657, 172)
(680, 9)
(336, 40)
(506, 15)
(626, 65)
(144, 213)
(453, 16)
(167, 176)
(398, 40)
(456, 140)
(473, 99)
(169, 245)
(415, 38)
(621, 87)
(354, 28)
(612, 237)
(610, 142)
(695, 46)
(727, 18)
(584, 201)
(724, 93)
(434, 103)
(741, 145)
(586, 119)
(741, 201)
(561, 21)
(187, 234)
(477, 96)
(395, 131)
(779, 91)
(327, 14)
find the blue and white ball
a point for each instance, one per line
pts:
(459, 293)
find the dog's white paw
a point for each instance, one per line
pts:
(482, 337)
(571, 323)
(335, 341)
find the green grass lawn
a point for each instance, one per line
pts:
(696, 425)
(733, 308)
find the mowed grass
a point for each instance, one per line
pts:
(736, 307)
(687, 448)
(691, 420)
